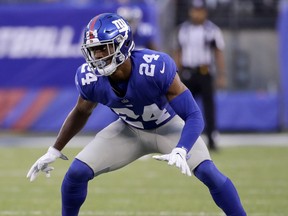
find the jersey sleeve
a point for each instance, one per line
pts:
(84, 81)
(166, 73)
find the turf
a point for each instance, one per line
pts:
(148, 187)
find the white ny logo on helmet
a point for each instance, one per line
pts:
(121, 25)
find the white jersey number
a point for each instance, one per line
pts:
(150, 113)
(89, 76)
(147, 68)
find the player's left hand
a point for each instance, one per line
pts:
(178, 158)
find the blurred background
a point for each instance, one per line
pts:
(40, 53)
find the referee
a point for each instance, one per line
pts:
(200, 59)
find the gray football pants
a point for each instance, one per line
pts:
(119, 144)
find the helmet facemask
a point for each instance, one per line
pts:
(107, 64)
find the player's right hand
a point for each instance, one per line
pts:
(42, 163)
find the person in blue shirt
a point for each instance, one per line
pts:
(144, 31)
(157, 114)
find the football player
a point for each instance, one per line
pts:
(144, 33)
(157, 114)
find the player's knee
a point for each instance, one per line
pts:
(79, 171)
(208, 173)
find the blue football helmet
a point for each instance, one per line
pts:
(109, 32)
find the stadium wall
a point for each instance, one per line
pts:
(40, 53)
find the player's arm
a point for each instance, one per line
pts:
(183, 103)
(176, 88)
(177, 56)
(74, 122)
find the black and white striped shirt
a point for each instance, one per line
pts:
(197, 42)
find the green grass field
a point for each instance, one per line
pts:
(148, 187)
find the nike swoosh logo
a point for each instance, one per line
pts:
(163, 68)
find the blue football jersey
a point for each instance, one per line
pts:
(144, 105)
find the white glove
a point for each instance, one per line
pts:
(178, 158)
(42, 163)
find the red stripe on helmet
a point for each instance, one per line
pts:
(92, 24)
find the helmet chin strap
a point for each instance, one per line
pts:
(111, 68)
(108, 70)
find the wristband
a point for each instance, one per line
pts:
(57, 153)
